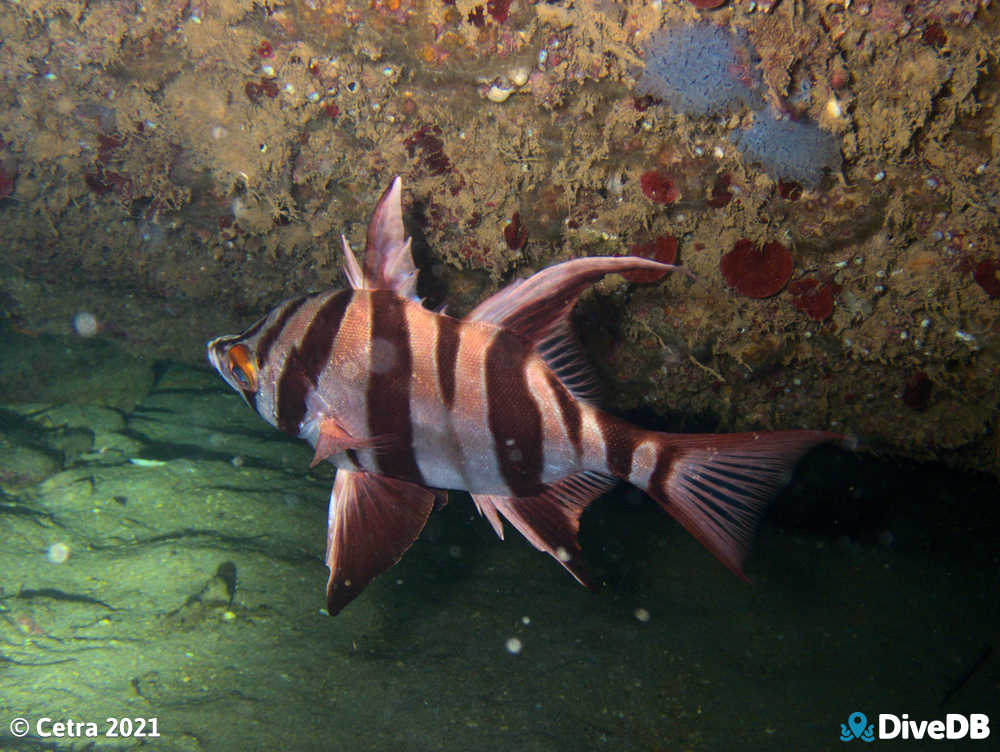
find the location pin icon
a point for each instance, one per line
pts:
(857, 722)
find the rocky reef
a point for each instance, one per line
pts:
(174, 168)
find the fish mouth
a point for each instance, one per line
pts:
(217, 350)
(213, 353)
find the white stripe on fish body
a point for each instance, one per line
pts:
(643, 460)
(592, 439)
(343, 383)
(437, 442)
(469, 407)
(559, 456)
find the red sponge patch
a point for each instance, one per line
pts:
(662, 249)
(987, 276)
(813, 298)
(757, 272)
(659, 187)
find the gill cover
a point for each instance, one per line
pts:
(243, 367)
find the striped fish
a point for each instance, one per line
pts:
(404, 401)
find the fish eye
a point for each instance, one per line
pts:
(243, 367)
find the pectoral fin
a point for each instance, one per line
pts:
(334, 439)
(372, 521)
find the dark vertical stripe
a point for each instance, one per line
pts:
(658, 479)
(447, 356)
(569, 410)
(514, 419)
(292, 391)
(317, 344)
(249, 332)
(273, 333)
(269, 337)
(390, 376)
(619, 444)
(305, 361)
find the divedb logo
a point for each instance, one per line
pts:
(974, 726)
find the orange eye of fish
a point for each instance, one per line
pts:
(243, 368)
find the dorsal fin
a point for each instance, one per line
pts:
(388, 259)
(352, 270)
(538, 308)
(562, 353)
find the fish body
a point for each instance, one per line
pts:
(405, 401)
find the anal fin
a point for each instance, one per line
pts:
(372, 521)
(551, 520)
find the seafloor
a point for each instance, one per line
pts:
(171, 169)
(163, 560)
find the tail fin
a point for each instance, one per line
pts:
(718, 486)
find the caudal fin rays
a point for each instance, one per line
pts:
(719, 486)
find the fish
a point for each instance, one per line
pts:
(407, 402)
